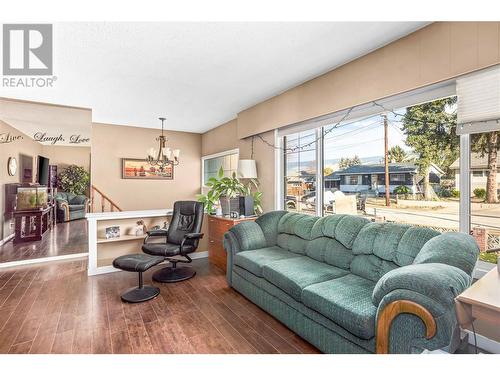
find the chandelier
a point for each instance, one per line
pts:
(164, 156)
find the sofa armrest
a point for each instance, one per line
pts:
(62, 206)
(248, 236)
(416, 307)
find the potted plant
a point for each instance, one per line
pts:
(225, 189)
(74, 179)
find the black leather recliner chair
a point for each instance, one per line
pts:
(181, 238)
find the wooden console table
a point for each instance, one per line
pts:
(217, 226)
(31, 225)
(480, 301)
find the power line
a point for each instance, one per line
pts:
(343, 119)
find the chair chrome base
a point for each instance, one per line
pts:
(173, 274)
(141, 294)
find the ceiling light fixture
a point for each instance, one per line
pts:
(164, 156)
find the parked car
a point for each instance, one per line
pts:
(291, 202)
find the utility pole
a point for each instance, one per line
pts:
(386, 145)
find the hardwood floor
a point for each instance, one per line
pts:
(57, 308)
(63, 239)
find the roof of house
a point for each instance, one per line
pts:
(476, 161)
(373, 169)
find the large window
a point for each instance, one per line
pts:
(300, 172)
(422, 152)
(228, 160)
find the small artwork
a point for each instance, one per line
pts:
(112, 232)
(141, 169)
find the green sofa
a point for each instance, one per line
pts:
(330, 279)
(70, 206)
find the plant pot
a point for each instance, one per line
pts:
(229, 204)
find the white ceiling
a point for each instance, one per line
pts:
(198, 75)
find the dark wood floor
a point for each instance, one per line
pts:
(63, 239)
(57, 308)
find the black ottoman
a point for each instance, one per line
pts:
(138, 263)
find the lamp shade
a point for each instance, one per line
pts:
(247, 168)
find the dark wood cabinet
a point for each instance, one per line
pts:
(31, 225)
(217, 226)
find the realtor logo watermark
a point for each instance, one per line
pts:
(27, 55)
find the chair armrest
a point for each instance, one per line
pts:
(61, 203)
(190, 239)
(157, 233)
(193, 236)
(413, 294)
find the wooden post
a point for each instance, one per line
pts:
(386, 146)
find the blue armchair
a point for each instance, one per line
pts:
(71, 206)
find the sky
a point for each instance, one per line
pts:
(363, 138)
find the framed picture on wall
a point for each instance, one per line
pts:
(140, 169)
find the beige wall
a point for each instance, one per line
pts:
(62, 156)
(225, 138)
(438, 52)
(222, 138)
(25, 146)
(111, 143)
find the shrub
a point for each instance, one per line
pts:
(445, 193)
(480, 193)
(74, 179)
(402, 189)
(455, 193)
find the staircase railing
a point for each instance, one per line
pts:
(103, 200)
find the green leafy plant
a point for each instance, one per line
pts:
(455, 193)
(229, 187)
(74, 179)
(402, 189)
(444, 193)
(480, 193)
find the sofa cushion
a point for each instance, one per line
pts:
(76, 207)
(455, 249)
(380, 239)
(347, 301)
(254, 260)
(292, 243)
(411, 243)
(331, 251)
(371, 267)
(294, 274)
(348, 229)
(297, 224)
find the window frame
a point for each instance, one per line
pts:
(214, 156)
(425, 94)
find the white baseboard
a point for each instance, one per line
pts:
(484, 343)
(26, 262)
(6, 239)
